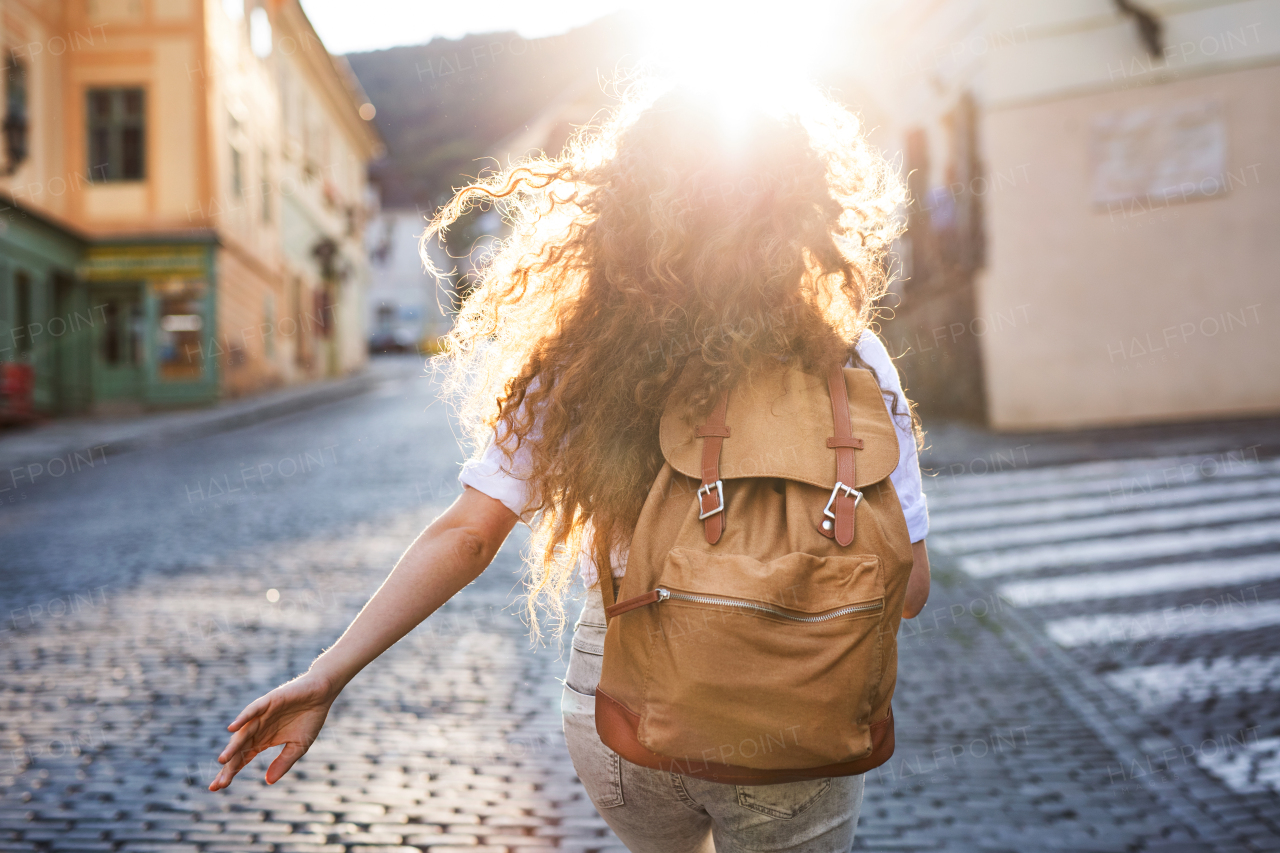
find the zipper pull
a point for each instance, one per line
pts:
(650, 597)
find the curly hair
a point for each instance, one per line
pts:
(673, 231)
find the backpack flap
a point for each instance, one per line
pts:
(780, 425)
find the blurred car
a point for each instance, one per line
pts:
(398, 340)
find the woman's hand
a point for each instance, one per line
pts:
(292, 715)
(448, 555)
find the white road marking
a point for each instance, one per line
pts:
(1184, 621)
(1148, 546)
(1058, 510)
(969, 491)
(1162, 684)
(1109, 525)
(1249, 769)
(1171, 578)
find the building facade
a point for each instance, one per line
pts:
(184, 197)
(1094, 190)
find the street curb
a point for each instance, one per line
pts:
(268, 409)
(340, 389)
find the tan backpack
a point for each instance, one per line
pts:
(753, 639)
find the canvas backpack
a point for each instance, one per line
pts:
(753, 638)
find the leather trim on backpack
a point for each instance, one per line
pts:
(777, 421)
(713, 433)
(618, 726)
(843, 501)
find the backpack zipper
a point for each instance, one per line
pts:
(664, 594)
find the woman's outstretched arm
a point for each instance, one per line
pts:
(448, 555)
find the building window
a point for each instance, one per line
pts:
(15, 113)
(260, 33)
(269, 325)
(117, 134)
(237, 172)
(266, 185)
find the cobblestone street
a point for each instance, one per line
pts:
(148, 598)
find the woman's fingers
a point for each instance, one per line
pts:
(253, 709)
(238, 740)
(285, 760)
(231, 768)
(239, 760)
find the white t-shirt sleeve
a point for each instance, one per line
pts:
(501, 479)
(906, 477)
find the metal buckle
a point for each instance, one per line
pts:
(719, 487)
(848, 490)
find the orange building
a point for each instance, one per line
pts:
(185, 192)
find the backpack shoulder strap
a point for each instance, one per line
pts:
(843, 503)
(711, 492)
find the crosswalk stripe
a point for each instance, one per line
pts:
(1111, 550)
(1050, 483)
(1059, 510)
(1093, 586)
(1188, 620)
(1161, 684)
(1207, 465)
(1109, 525)
(1248, 769)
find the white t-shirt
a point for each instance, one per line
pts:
(500, 480)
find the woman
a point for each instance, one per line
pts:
(681, 232)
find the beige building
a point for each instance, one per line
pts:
(1093, 232)
(184, 204)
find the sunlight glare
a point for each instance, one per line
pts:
(751, 55)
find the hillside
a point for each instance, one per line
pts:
(443, 106)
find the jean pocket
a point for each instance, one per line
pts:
(784, 801)
(598, 766)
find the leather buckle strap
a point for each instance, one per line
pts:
(705, 491)
(713, 433)
(841, 509)
(836, 492)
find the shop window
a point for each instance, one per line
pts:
(117, 134)
(180, 350)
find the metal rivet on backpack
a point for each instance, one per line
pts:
(826, 524)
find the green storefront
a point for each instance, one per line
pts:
(109, 327)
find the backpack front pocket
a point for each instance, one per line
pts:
(767, 665)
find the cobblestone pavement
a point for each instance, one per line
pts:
(145, 601)
(1152, 588)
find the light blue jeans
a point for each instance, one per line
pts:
(653, 811)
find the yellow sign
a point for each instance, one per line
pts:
(120, 263)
